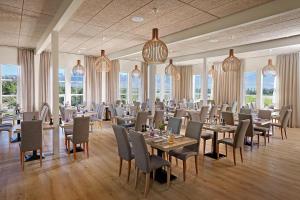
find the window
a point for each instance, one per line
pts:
(9, 82)
(209, 87)
(135, 88)
(62, 86)
(123, 80)
(76, 89)
(168, 87)
(157, 86)
(268, 90)
(250, 87)
(196, 87)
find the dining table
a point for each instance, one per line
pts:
(159, 141)
(217, 128)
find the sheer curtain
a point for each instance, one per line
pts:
(26, 61)
(183, 88)
(145, 80)
(288, 79)
(93, 81)
(44, 79)
(112, 82)
(227, 86)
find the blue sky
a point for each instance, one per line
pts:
(250, 80)
(10, 70)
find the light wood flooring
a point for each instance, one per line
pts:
(271, 172)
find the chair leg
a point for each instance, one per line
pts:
(152, 151)
(281, 133)
(22, 160)
(251, 143)
(226, 150)
(257, 141)
(147, 184)
(218, 150)
(87, 149)
(68, 148)
(265, 138)
(224, 134)
(129, 169)
(120, 166)
(41, 156)
(168, 175)
(176, 162)
(268, 136)
(285, 133)
(196, 164)
(74, 151)
(241, 152)
(233, 149)
(184, 169)
(153, 174)
(204, 144)
(136, 177)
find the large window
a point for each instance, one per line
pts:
(135, 88)
(9, 82)
(196, 87)
(76, 89)
(250, 87)
(168, 87)
(268, 90)
(123, 80)
(158, 86)
(209, 87)
(62, 86)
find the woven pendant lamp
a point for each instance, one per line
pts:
(212, 71)
(269, 69)
(170, 68)
(231, 63)
(136, 72)
(103, 64)
(78, 68)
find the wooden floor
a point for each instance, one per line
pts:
(271, 172)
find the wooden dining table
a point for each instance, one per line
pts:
(217, 128)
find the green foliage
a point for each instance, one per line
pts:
(9, 87)
(75, 100)
(9, 101)
(250, 98)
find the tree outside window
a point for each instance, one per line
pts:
(250, 87)
(168, 87)
(135, 88)
(158, 86)
(123, 80)
(62, 86)
(9, 84)
(268, 89)
(196, 87)
(76, 89)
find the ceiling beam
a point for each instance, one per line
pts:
(282, 42)
(61, 17)
(249, 16)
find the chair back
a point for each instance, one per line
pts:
(141, 155)
(119, 111)
(203, 113)
(245, 111)
(250, 129)
(141, 120)
(180, 113)
(30, 116)
(264, 114)
(234, 107)
(174, 123)
(194, 116)
(124, 148)
(31, 135)
(44, 112)
(112, 110)
(144, 106)
(133, 110)
(240, 133)
(282, 112)
(62, 111)
(193, 130)
(228, 118)
(253, 106)
(190, 105)
(159, 105)
(158, 118)
(286, 118)
(137, 104)
(213, 111)
(199, 104)
(224, 107)
(81, 130)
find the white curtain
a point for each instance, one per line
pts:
(112, 82)
(144, 77)
(44, 78)
(93, 82)
(183, 88)
(288, 79)
(26, 61)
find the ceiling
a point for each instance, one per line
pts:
(107, 24)
(22, 25)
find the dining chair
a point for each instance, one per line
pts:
(158, 118)
(144, 106)
(124, 149)
(250, 130)
(200, 104)
(174, 123)
(62, 111)
(159, 105)
(234, 107)
(228, 118)
(212, 113)
(145, 162)
(180, 113)
(137, 104)
(244, 110)
(193, 130)
(283, 124)
(203, 113)
(79, 135)
(29, 116)
(194, 115)
(45, 112)
(223, 108)
(133, 110)
(205, 135)
(141, 120)
(7, 127)
(99, 116)
(237, 142)
(31, 138)
(265, 129)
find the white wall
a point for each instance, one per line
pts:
(8, 55)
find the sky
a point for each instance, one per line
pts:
(250, 80)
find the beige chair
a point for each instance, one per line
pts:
(158, 118)
(250, 131)
(205, 135)
(212, 113)
(79, 134)
(141, 120)
(180, 113)
(31, 139)
(283, 124)
(238, 141)
(228, 120)
(265, 129)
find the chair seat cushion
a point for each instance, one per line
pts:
(207, 136)
(69, 137)
(261, 129)
(68, 131)
(157, 162)
(228, 141)
(182, 154)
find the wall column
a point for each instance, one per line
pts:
(151, 83)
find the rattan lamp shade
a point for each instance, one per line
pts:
(170, 69)
(269, 69)
(103, 64)
(78, 68)
(136, 72)
(212, 71)
(231, 63)
(155, 51)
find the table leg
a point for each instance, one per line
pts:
(32, 157)
(213, 154)
(160, 173)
